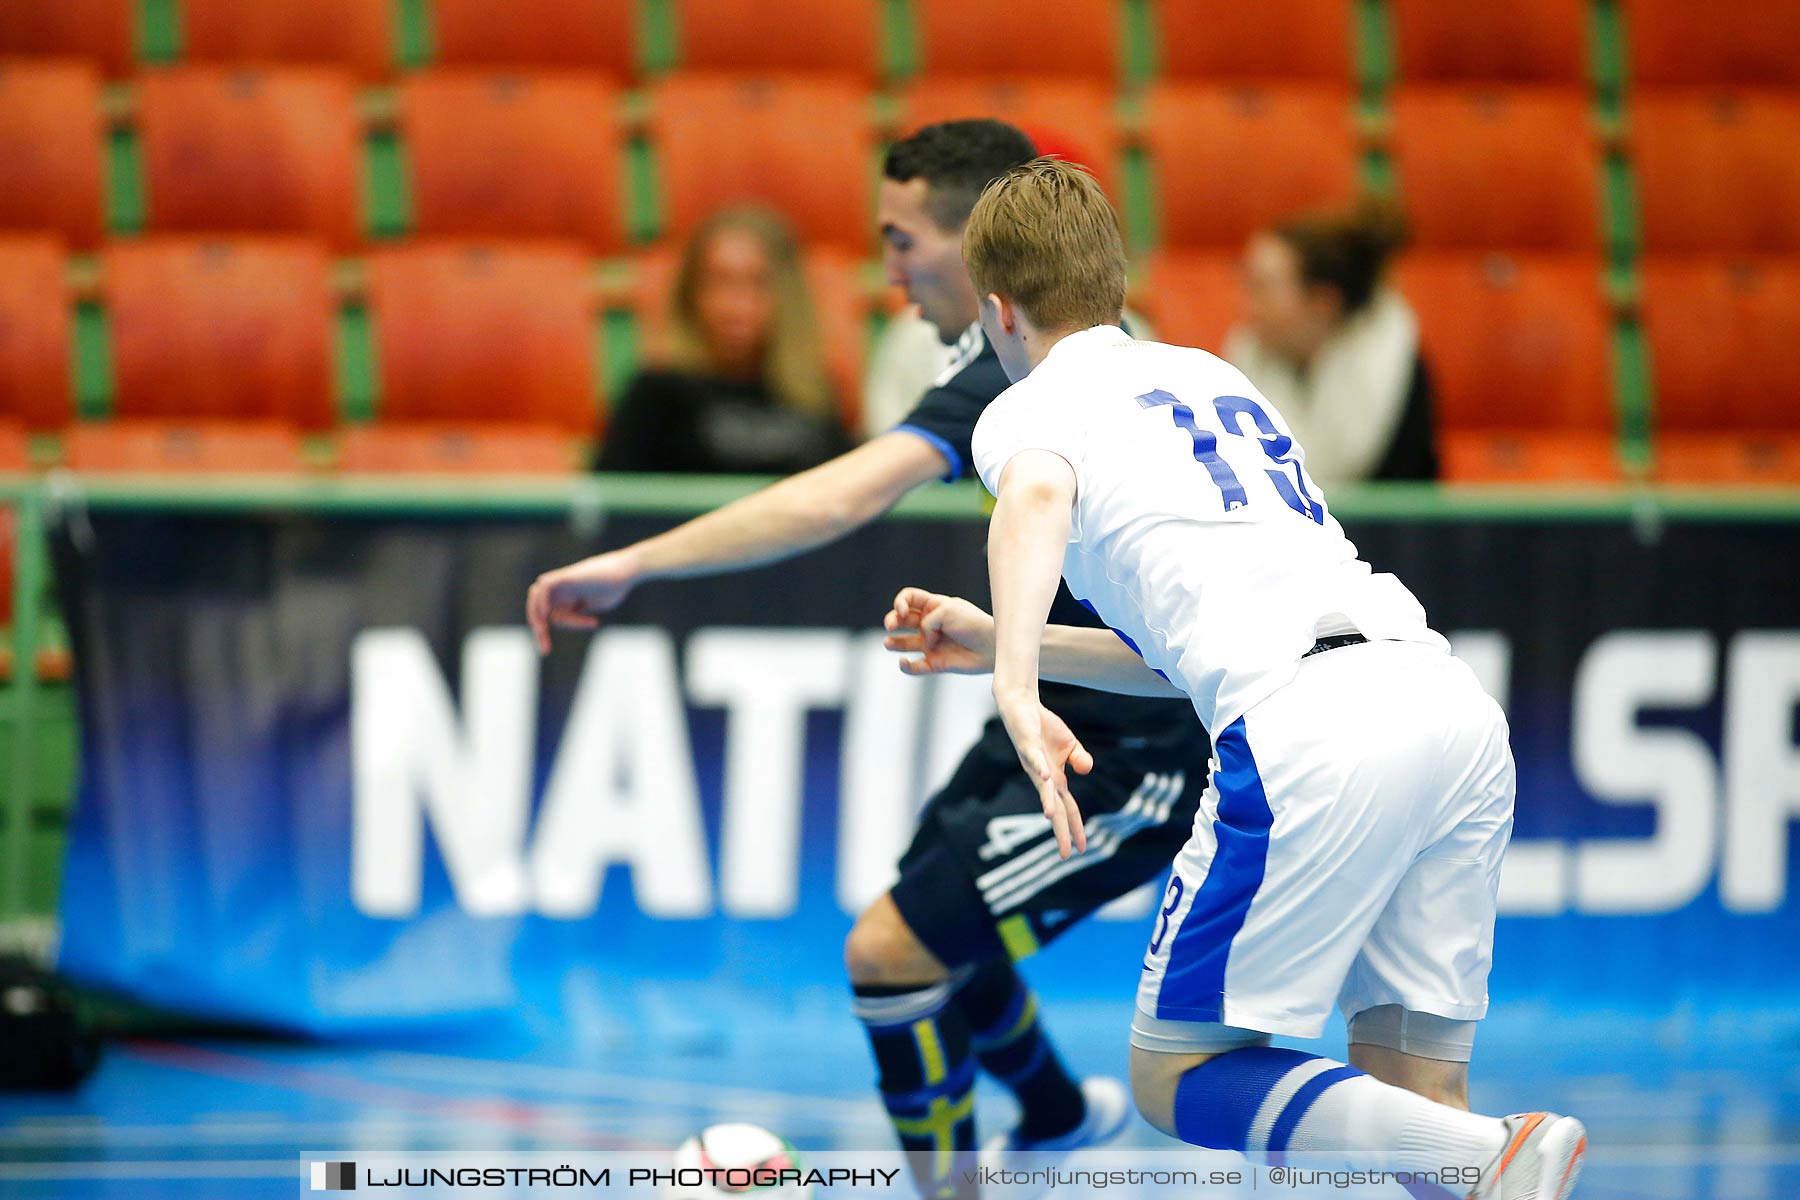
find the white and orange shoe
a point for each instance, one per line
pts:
(1541, 1161)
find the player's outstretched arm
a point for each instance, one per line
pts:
(1026, 539)
(949, 635)
(786, 518)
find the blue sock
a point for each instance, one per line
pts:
(1217, 1103)
(1011, 1045)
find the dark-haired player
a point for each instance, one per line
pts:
(931, 962)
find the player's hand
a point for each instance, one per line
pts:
(574, 597)
(1047, 750)
(949, 634)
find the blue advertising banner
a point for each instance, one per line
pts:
(328, 785)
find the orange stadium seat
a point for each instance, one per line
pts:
(52, 135)
(102, 30)
(1578, 456)
(1073, 117)
(1520, 41)
(1265, 40)
(515, 155)
(1717, 172)
(1739, 459)
(1193, 298)
(34, 333)
(801, 144)
(1518, 350)
(500, 332)
(1077, 37)
(247, 150)
(1737, 43)
(255, 447)
(815, 35)
(839, 301)
(455, 449)
(1516, 167)
(358, 34)
(221, 329)
(594, 34)
(1229, 160)
(15, 452)
(1727, 381)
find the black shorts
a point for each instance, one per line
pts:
(982, 876)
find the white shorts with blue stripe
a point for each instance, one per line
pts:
(1347, 852)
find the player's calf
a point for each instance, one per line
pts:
(1426, 1054)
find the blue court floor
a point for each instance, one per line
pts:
(1674, 1112)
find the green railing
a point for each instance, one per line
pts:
(38, 713)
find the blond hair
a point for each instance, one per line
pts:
(794, 363)
(1044, 236)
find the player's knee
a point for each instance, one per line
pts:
(880, 949)
(1154, 1079)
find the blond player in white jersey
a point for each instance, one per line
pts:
(1347, 852)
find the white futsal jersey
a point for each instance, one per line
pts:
(1197, 533)
(1347, 850)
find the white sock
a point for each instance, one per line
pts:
(1410, 1133)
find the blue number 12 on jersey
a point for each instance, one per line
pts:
(1278, 446)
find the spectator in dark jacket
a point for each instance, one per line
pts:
(740, 385)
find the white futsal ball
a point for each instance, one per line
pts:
(738, 1160)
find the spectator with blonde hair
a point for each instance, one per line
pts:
(740, 386)
(1334, 348)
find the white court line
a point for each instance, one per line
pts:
(219, 1133)
(271, 1168)
(578, 1081)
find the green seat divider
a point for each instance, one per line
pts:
(1606, 50)
(1138, 63)
(159, 30)
(358, 386)
(899, 40)
(412, 21)
(1374, 56)
(1374, 126)
(1633, 392)
(1372, 45)
(93, 363)
(658, 47)
(387, 199)
(125, 198)
(617, 332)
(618, 351)
(644, 212)
(1142, 234)
(1634, 385)
(1621, 209)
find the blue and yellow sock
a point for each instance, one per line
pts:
(927, 1080)
(1011, 1045)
